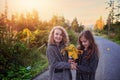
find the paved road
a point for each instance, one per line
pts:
(109, 63)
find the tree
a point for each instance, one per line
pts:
(75, 25)
(118, 11)
(111, 6)
(54, 20)
(61, 21)
(80, 28)
(22, 20)
(2, 19)
(35, 18)
(99, 24)
(26, 36)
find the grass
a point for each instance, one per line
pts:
(39, 67)
(109, 38)
(116, 41)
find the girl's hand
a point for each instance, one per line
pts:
(70, 60)
(73, 66)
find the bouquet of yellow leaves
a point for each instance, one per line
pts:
(72, 51)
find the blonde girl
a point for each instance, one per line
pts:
(59, 67)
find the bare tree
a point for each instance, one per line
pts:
(111, 6)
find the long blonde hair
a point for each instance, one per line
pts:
(65, 39)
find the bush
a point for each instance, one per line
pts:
(18, 61)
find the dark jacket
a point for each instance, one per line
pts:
(59, 68)
(87, 68)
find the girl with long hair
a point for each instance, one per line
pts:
(88, 61)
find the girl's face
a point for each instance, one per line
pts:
(85, 42)
(57, 36)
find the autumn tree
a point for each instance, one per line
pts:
(35, 18)
(26, 36)
(54, 20)
(74, 24)
(58, 20)
(61, 21)
(99, 24)
(2, 19)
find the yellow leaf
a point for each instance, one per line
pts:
(72, 51)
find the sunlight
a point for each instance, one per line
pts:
(24, 6)
(28, 4)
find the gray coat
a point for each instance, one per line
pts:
(87, 68)
(59, 68)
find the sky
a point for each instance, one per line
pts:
(86, 11)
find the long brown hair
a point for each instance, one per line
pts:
(65, 39)
(92, 48)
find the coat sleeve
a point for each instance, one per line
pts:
(54, 62)
(89, 68)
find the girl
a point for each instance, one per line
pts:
(88, 61)
(59, 67)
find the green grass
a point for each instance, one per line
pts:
(107, 37)
(116, 41)
(39, 67)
